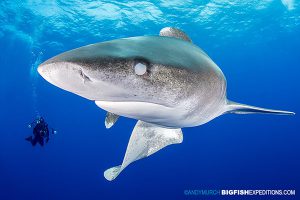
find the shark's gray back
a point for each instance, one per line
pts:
(156, 49)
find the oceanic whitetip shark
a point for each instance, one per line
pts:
(165, 82)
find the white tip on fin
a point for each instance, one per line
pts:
(238, 108)
(174, 32)
(110, 119)
(145, 140)
(111, 173)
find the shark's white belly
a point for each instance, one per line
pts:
(177, 117)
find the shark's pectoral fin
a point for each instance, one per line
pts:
(174, 32)
(110, 119)
(111, 173)
(145, 140)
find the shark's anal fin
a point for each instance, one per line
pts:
(110, 119)
(145, 140)
(238, 108)
(174, 32)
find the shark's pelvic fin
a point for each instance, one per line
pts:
(174, 32)
(145, 140)
(238, 108)
(110, 119)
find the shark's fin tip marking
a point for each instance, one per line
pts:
(174, 32)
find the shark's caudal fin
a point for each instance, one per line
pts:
(146, 139)
(238, 108)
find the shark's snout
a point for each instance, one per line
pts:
(50, 72)
(66, 75)
(45, 71)
(42, 70)
(58, 71)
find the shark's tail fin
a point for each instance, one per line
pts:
(112, 173)
(238, 108)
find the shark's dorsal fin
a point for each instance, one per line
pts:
(174, 32)
(110, 119)
(145, 140)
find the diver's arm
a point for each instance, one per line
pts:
(31, 124)
(53, 131)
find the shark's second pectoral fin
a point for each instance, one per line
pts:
(110, 119)
(145, 140)
(174, 32)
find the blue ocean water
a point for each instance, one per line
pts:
(255, 43)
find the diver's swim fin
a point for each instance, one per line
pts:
(29, 138)
(145, 140)
(238, 108)
(32, 140)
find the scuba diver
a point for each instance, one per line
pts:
(40, 132)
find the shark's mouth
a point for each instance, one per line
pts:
(130, 103)
(146, 111)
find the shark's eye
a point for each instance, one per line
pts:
(140, 68)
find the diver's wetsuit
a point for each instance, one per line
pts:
(40, 133)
